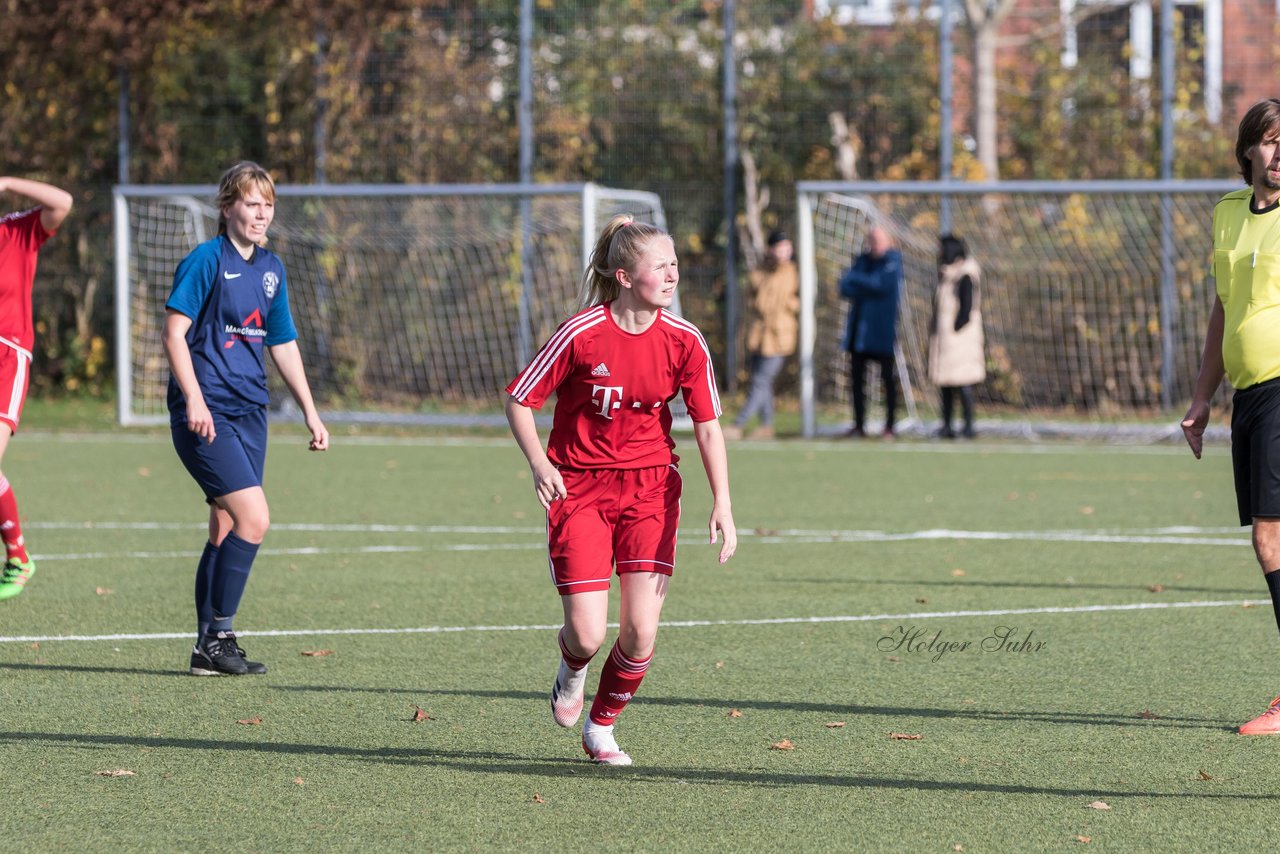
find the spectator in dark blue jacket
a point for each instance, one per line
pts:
(872, 286)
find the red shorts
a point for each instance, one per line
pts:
(15, 370)
(613, 517)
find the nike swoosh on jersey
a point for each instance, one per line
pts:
(227, 275)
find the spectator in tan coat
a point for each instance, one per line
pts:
(772, 330)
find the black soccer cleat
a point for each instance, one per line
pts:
(255, 667)
(218, 656)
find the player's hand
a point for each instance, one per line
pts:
(200, 420)
(319, 435)
(549, 485)
(1193, 426)
(722, 524)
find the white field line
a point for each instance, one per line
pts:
(1015, 447)
(1178, 535)
(675, 624)
(685, 539)
(539, 529)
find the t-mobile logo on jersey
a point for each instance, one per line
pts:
(608, 397)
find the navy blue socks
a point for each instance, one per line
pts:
(230, 575)
(204, 589)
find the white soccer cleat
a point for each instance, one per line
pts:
(567, 695)
(598, 743)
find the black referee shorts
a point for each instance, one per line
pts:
(1255, 450)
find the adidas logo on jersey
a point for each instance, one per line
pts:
(600, 370)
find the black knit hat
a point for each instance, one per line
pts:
(777, 236)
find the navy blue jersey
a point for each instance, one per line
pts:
(237, 307)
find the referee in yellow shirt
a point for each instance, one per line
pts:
(1243, 341)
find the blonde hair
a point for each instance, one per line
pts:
(618, 247)
(236, 182)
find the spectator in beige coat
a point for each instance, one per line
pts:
(956, 360)
(772, 330)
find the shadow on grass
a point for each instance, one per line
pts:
(838, 709)
(84, 668)
(510, 763)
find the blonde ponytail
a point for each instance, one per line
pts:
(618, 247)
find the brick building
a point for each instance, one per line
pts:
(1239, 37)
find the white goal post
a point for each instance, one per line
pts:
(1095, 295)
(414, 303)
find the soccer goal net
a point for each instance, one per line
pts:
(414, 304)
(1095, 297)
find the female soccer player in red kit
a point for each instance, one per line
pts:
(608, 478)
(21, 236)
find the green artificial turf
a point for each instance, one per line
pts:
(1129, 603)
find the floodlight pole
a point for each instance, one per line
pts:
(730, 202)
(1168, 293)
(122, 126)
(319, 134)
(946, 154)
(525, 111)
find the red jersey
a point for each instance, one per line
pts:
(612, 389)
(21, 236)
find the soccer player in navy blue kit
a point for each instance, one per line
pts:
(229, 303)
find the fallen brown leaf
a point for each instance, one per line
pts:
(1099, 805)
(834, 724)
(419, 715)
(537, 799)
(317, 653)
(298, 781)
(957, 847)
(734, 713)
(117, 772)
(902, 736)
(1148, 715)
(1086, 510)
(719, 664)
(958, 573)
(1155, 588)
(103, 591)
(250, 721)
(922, 601)
(1204, 776)
(1085, 839)
(35, 644)
(785, 744)
(766, 532)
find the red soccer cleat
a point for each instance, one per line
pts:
(1267, 723)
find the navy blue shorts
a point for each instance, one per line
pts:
(233, 461)
(1255, 450)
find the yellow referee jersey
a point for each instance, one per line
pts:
(1246, 266)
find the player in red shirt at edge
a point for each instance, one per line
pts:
(22, 233)
(608, 478)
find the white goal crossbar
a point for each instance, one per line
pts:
(1095, 294)
(415, 304)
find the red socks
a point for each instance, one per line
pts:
(15, 547)
(619, 680)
